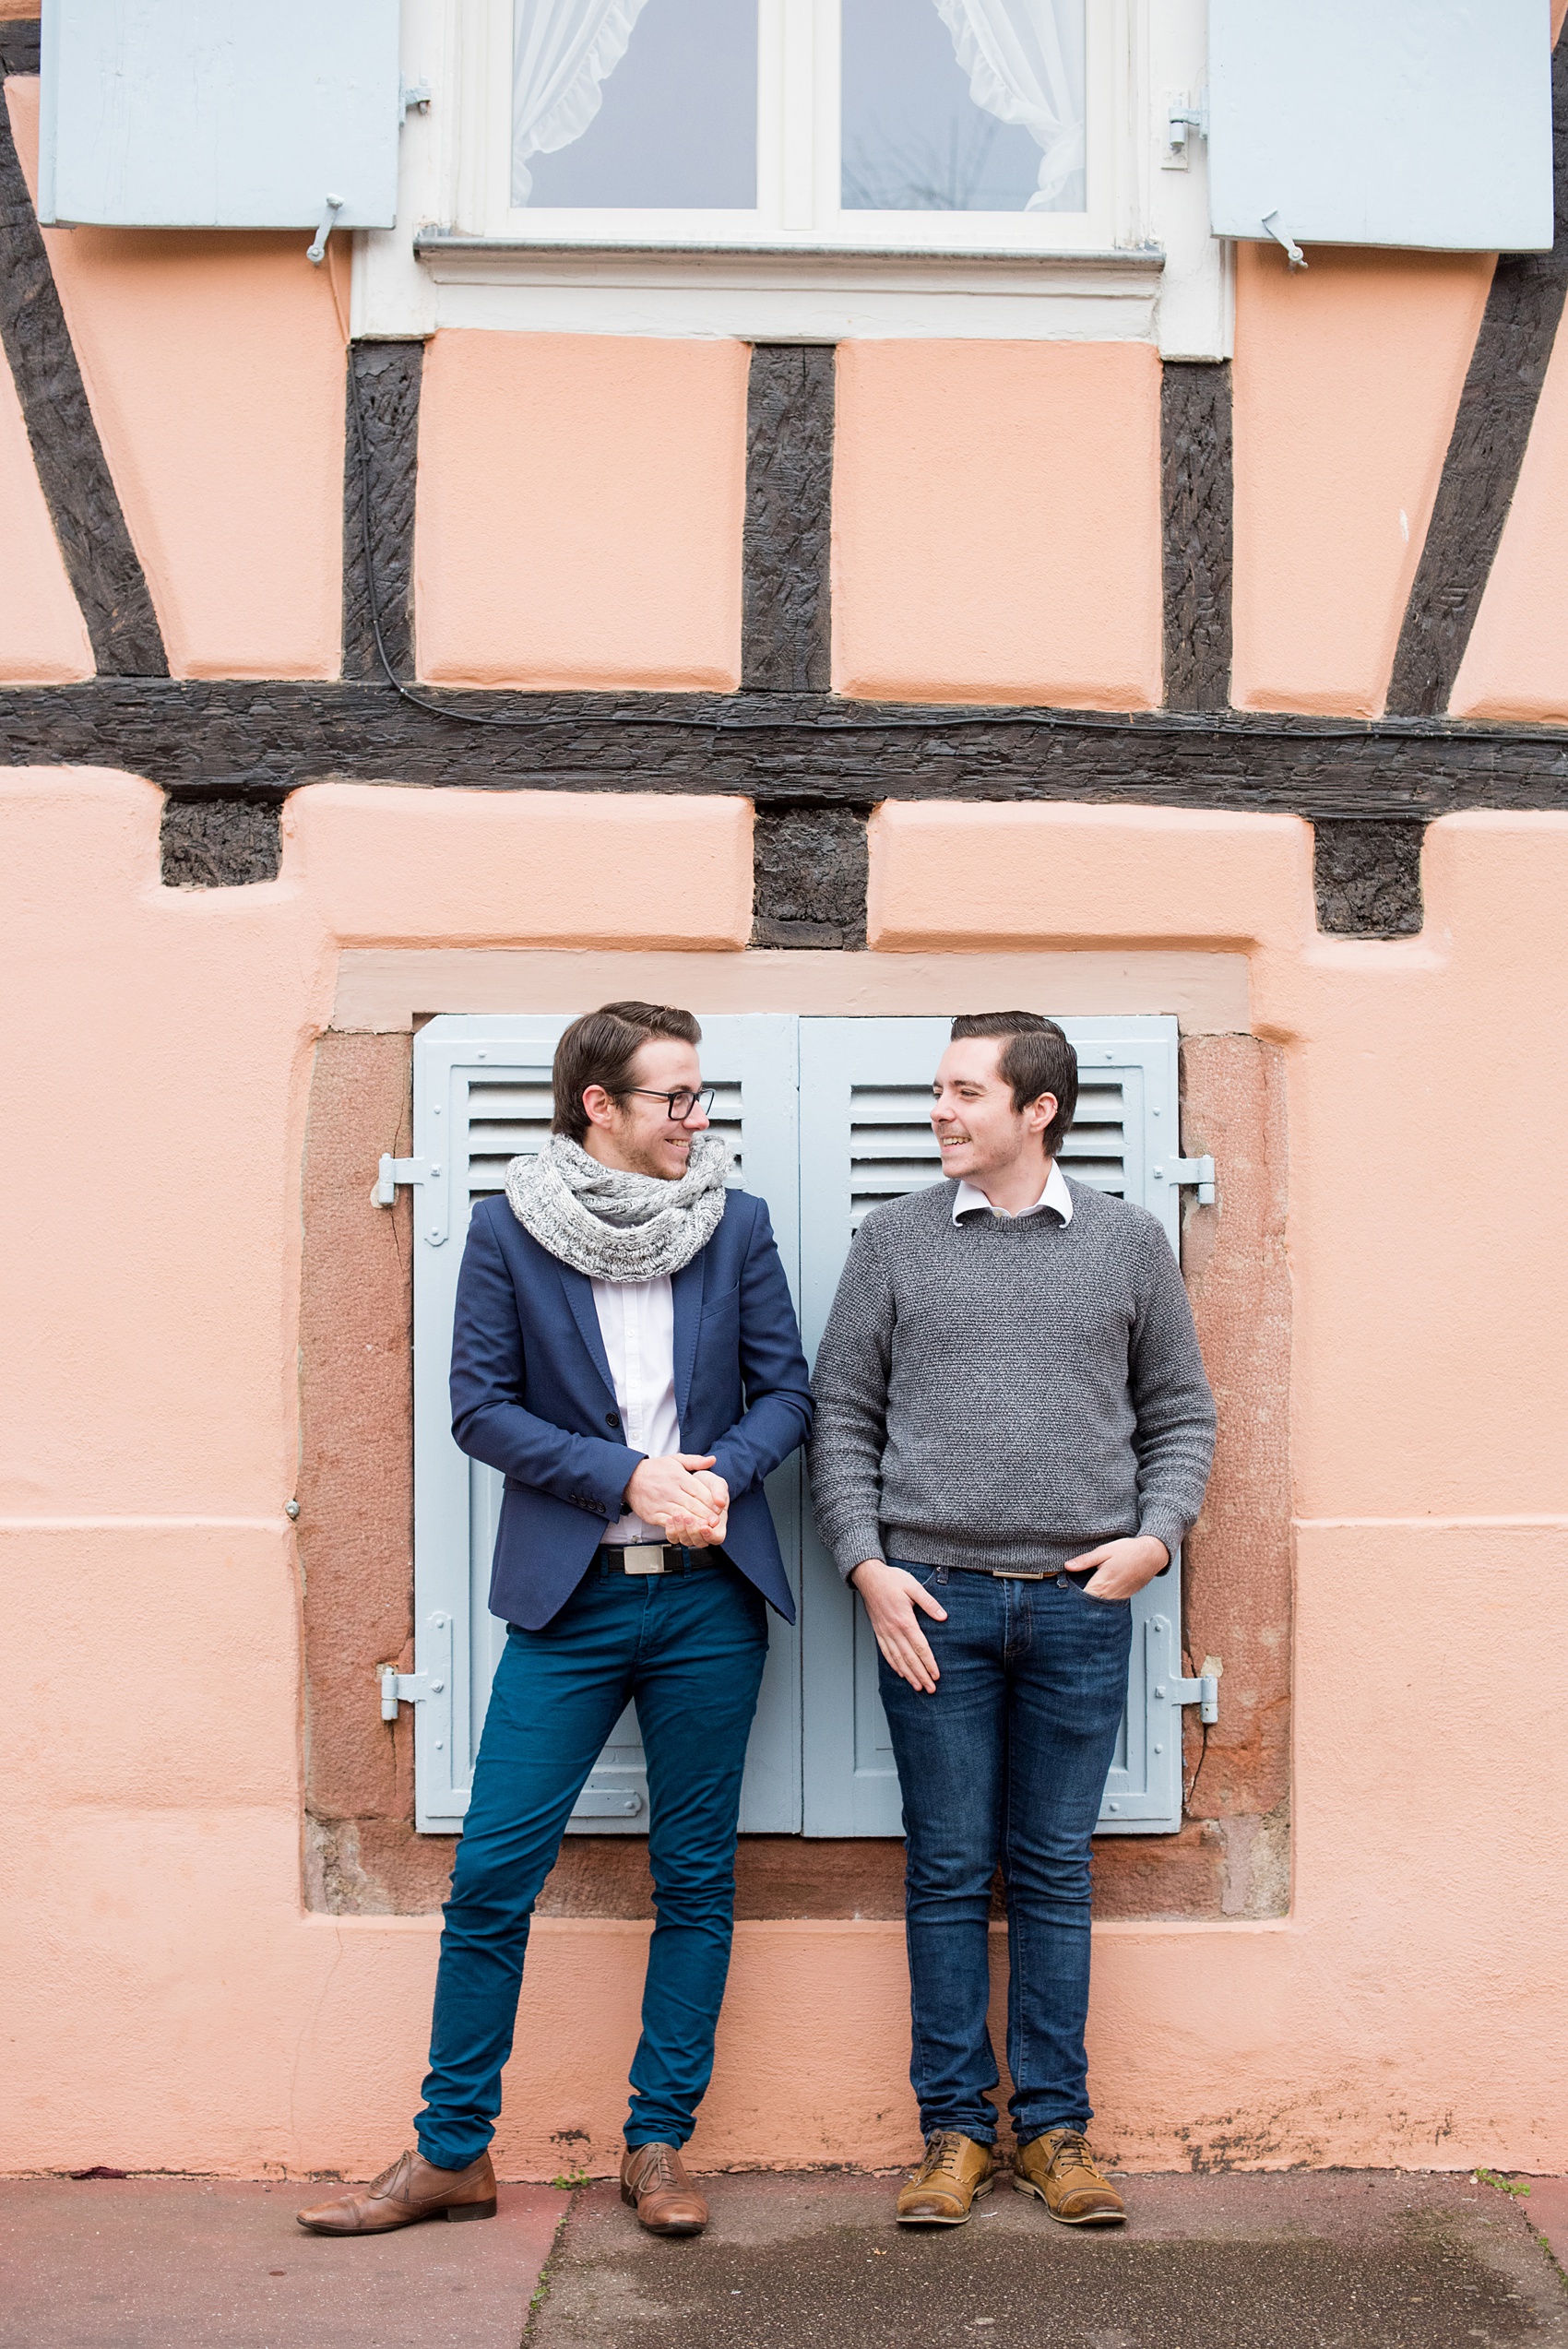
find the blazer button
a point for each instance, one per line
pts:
(612, 1419)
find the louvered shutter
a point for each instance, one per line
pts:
(218, 113)
(1401, 123)
(865, 1102)
(481, 1096)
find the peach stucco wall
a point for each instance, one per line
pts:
(214, 368)
(996, 523)
(1346, 379)
(581, 499)
(43, 638)
(1408, 2010)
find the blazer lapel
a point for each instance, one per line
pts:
(579, 1296)
(685, 1295)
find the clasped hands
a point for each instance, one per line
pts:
(681, 1492)
(892, 1596)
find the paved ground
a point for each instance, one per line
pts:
(194, 2263)
(1331, 2259)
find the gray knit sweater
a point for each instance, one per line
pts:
(1009, 1391)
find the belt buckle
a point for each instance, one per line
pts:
(648, 1555)
(1019, 1573)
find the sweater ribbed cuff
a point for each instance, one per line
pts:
(853, 1549)
(1164, 1526)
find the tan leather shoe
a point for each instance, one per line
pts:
(653, 2181)
(957, 2170)
(1059, 2168)
(411, 2189)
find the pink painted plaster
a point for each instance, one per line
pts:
(526, 867)
(996, 523)
(160, 1049)
(1516, 662)
(581, 499)
(43, 640)
(1001, 875)
(214, 368)
(1347, 378)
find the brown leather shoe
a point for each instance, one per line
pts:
(1059, 2168)
(957, 2170)
(410, 2190)
(653, 2181)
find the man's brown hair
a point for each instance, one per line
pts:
(600, 1048)
(1036, 1059)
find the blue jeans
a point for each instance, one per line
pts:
(1007, 1762)
(690, 1649)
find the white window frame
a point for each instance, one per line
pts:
(1140, 265)
(798, 155)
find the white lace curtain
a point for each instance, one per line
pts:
(1024, 60)
(562, 51)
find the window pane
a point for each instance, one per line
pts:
(641, 103)
(963, 105)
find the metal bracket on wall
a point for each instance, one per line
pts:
(393, 1171)
(404, 1688)
(1184, 1171)
(1203, 1692)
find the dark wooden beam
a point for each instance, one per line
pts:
(1367, 874)
(810, 866)
(785, 641)
(1486, 449)
(205, 736)
(219, 843)
(1196, 500)
(104, 570)
(20, 45)
(381, 455)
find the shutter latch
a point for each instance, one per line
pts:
(396, 1170)
(1177, 1170)
(404, 1688)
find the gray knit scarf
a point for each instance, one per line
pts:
(613, 1226)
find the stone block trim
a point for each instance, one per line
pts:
(363, 1855)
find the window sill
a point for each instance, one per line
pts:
(788, 292)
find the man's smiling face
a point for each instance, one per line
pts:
(972, 1116)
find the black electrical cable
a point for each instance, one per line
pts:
(1203, 1757)
(941, 721)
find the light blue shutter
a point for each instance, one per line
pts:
(219, 113)
(865, 1101)
(482, 1095)
(1382, 122)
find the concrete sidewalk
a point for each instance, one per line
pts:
(1332, 2260)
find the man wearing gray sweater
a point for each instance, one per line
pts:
(1014, 1431)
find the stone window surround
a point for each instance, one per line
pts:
(362, 1855)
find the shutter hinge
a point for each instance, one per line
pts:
(1204, 1692)
(607, 1802)
(396, 1170)
(1184, 1171)
(404, 1688)
(413, 98)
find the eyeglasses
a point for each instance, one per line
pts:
(682, 1103)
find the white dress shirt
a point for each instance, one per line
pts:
(1055, 1194)
(637, 1320)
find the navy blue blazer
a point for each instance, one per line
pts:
(532, 1396)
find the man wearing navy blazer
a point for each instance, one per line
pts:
(625, 1352)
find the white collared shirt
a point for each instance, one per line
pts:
(1055, 1194)
(637, 1320)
